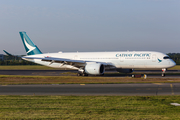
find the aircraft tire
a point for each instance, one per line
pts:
(78, 74)
(84, 74)
(163, 75)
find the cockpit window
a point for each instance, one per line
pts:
(166, 57)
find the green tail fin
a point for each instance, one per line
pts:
(30, 48)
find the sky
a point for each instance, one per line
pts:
(91, 25)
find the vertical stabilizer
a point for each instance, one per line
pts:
(30, 48)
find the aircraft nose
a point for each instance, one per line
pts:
(172, 63)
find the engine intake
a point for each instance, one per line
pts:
(94, 68)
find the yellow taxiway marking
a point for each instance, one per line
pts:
(158, 83)
(172, 89)
(82, 84)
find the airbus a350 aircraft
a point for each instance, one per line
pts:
(95, 63)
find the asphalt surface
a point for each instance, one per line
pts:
(150, 73)
(92, 89)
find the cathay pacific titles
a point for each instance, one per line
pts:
(134, 55)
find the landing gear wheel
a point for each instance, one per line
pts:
(84, 74)
(78, 74)
(163, 75)
(163, 72)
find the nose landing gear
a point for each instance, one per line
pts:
(163, 72)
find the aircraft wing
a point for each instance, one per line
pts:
(75, 63)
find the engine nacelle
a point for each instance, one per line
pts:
(125, 70)
(94, 69)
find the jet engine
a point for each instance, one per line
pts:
(94, 69)
(125, 70)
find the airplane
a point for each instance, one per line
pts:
(95, 63)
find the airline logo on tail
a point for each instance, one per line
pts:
(29, 46)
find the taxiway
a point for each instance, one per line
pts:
(150, 73)
(92, 89)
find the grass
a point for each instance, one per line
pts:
(66, 78)
(38, 67)
(177, 67)
(12, 80)
(89, 107)
(84, 107)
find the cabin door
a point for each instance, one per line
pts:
(76, 57)
(154, 58)
(121, 59)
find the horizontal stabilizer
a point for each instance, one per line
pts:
(8, 53)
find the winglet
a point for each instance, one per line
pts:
(30, 47)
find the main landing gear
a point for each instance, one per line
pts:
(81, 72)
(163, 72)
(84, 74)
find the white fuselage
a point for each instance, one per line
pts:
(129, 60)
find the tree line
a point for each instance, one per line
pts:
(15, 60)
(175, 57)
